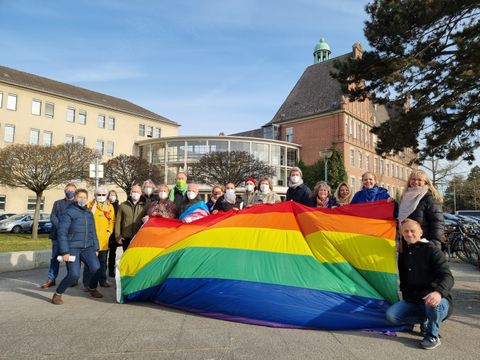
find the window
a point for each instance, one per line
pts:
(49, 109)
(1, 99)
(382, 166)
(289, 134)
(352, 183)
(111, 123)
(81, 140)
(393, 170)
(150, 131)
(397, 171)
(101, 121)
(12, 102)
(367, 162)
(352, 157)
(402, 173)
(351, 126)
(110, 148)
(9, 133)
(82, 117)
(32, 200)
(100, 147)
(3, 200)
(387, 165)
(36, 107)
(34, 137)
(71, 115)
(69, 139)
(141, 129)
(363, 133)
(47, 138)
(360, 159)
(158, 133)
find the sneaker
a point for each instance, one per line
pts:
(95, 293)
(430, 342)
(48, 284)
(57, 299)
(105, 284)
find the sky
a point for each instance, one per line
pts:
(211, 65)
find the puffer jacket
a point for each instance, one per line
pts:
(429, 215)
(76, 229)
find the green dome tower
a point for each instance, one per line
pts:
(321, 52)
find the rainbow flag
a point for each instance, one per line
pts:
(283, 265)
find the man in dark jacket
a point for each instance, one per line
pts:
(59, 207)
(297, 190)
(178, 192)
(129, 217)
(77, 241)
(425, 283)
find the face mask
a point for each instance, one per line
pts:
(250, 187)
(69, 194)
(82, 202)
(264, 188)
(180, 183)
(230, 195)
(191, 195)
(148, 191)
(101, 198)
(112, 198)
(135, 196)
(295, 179)
(230, 191)
(163, 195)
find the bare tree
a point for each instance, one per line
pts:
(225, 167)
(439, 169)
(40, 168)
(126, 171)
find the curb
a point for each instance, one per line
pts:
(24, 260)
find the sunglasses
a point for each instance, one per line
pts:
(101, 194)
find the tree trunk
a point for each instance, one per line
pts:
(36, 216)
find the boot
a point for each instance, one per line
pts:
(57, 299)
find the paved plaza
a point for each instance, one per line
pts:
(86, 328)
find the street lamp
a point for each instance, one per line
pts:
(326, 154)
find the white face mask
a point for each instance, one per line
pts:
(148, 191)
(112, 198)
(295, 179)
(230, 191)
(163, 195)
(101, 199)
(135, 196)
(230, 195)
(82, 202)
(264, 188)
(250, 187)
(191, 195)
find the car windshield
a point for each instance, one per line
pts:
(16, 217)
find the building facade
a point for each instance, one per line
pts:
(174, 154)
(317, 115)
(41, 111)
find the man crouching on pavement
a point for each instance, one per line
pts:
(425, 283)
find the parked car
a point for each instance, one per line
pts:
(21, 223)
(5, 216)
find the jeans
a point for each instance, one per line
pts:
(54, 264)
(409, 313)
(89, 259)
(102, 273)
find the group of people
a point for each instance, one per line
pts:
(90, 232)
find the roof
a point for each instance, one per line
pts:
(39, 83)
(256, 133)
(315, 92)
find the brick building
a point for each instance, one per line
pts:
(318, 116)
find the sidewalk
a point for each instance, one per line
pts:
(85, 328)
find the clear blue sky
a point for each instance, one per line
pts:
(210, 65)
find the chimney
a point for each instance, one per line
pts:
(357, 50)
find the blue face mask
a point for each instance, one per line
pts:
(69, 194)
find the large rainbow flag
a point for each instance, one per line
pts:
(282, 265)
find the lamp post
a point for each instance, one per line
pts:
(326, 154)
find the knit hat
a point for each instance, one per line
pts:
(296, 168)
(252, 180)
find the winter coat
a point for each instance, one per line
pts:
(129, 218)
(76, 229)
(104, 224)
(300, 194)
(268, 198)
(247, 198)
(58, 208)
(423, 268)
(332, 202)
(429, 215)
(178, 197)
(224, 205)
(370, 195)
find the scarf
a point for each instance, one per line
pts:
(324, 203)
(294, 186)
(410, 200)
(181, 190)
(104, 207)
